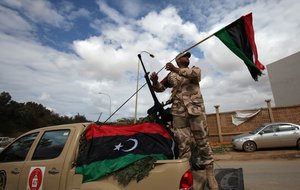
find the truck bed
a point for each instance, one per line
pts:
(165, 175)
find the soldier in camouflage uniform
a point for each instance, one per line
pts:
(189, 118)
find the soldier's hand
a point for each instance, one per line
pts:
(171, 67)
(154, 77)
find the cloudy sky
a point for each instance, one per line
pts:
(63, 53)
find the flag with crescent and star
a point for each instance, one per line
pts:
(106, 149)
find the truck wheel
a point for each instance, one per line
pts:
(249, 146)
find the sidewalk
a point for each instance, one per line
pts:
(292, 153)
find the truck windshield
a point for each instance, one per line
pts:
(18, 150)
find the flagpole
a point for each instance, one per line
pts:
(197, 43)
(189, 49)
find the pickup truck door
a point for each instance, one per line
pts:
(44, 168)
(12, 161)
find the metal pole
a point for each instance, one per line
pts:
(136, 96)
(109, 102)
(137, 86)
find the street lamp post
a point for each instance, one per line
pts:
(109, 102)
(136, 96)
(137, 86)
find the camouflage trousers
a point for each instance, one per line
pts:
(192, 129)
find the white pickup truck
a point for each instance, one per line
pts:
(45, 158)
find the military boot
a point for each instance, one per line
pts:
(211, 180)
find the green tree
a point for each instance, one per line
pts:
(4, 98)
(16, 118)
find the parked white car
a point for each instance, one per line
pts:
(270, 135)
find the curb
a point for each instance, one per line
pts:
(260, 154)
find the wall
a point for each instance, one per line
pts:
(228, 129)
(284, 79)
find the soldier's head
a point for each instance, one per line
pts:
(182, 59)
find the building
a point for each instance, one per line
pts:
(284, 78)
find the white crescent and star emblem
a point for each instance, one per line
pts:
(120, 145)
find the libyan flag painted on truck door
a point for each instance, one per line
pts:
(106, 149)
(239, 38)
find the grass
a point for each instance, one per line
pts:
(221, 148)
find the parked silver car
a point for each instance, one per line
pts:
(270, 135)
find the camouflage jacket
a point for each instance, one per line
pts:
(186, 95)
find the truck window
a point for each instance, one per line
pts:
(51, 144)
(18, 150)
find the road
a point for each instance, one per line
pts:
(267, 174)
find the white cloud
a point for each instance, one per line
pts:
(15, 24)
(111, 13)
(168, 26)
(131, 8)
(38, 11)
(44, 12)
(44, 96)
(71, 12)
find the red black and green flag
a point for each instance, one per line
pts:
(106, 149)
(239, 38)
